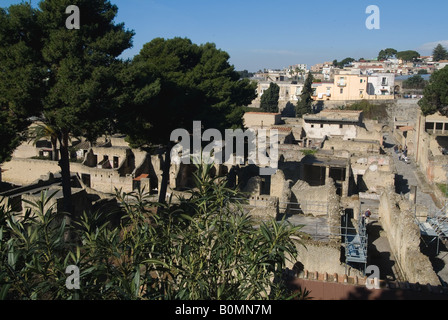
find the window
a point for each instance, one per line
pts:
(360, 81)
(342, 91)
(321, 125)
(340, 126)
(312, 126)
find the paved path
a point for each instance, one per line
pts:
(408, 174)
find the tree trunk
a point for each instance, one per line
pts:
(64, 163)
(165, 174)
(54, 144)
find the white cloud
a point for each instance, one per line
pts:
(429, 47)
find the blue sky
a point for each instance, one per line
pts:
(274, 34)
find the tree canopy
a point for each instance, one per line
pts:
(269, 99)
(370, 111)
(415, 82)
(304, 105)
(21, 79)
(435, 94)
(82, 65)
(343, 63)
(245, 74)
(68, 77)
(176, 82)
(387, 53)
(173, 82)
(408, 55)
(440, 53)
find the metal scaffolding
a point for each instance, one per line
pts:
(355, 238)
(436, 224)
(356, 241)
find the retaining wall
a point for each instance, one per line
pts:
(397, 220)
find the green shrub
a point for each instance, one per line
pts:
(203, 247)
(370, 111)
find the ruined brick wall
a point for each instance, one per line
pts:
(281, 188)
(317, 200)
(404, 238)
(26, 171)
(322, 257)
(261, 119)
(354, 147)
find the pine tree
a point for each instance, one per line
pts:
(269, 99)
(77, 84)
(173, 82)
(304, 105)
(440, 53)
(21, 74)
(435, 96)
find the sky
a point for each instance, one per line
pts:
(260, 34)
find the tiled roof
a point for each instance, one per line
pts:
(406, 128)
(142, 176)
(282, 128)
(371, 67)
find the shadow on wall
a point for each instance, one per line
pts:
(289, 110)
(379, 258)
(401, 184)
(433, 250)
(318, 107)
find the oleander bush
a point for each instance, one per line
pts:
(201, 247)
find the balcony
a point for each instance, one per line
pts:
(342, 83)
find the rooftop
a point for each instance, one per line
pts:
(285, 129)
(324, 161)
(436, 116)
(265, 113)
(335, 115)
(406, 128)
(142, 176)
